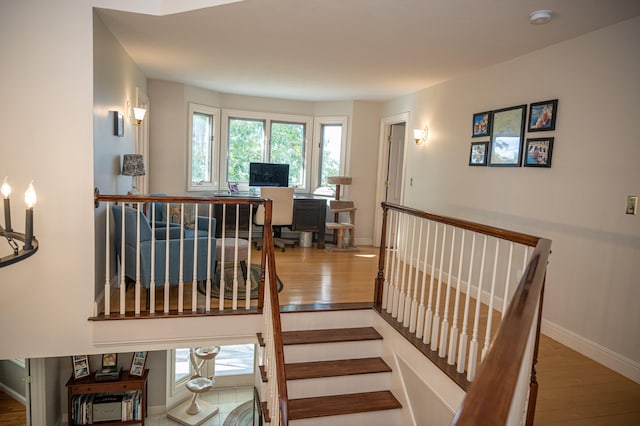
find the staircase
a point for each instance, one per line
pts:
(334, 374)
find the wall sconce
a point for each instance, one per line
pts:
(30, 242)
(138, 114)
(421, 135)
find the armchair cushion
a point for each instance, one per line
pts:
(156, 268)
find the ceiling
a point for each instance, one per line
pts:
(331, 50)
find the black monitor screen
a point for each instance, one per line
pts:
(268, 174)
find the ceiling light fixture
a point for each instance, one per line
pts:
(539, 17)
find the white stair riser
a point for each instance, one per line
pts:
(372, 418)
(321, 320)
(331, 351)
(338, 385)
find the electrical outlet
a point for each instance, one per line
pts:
(632, 204)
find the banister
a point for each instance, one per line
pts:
(489, 398)
(268, 251)
(516, 237)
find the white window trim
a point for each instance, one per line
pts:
(318, 122)
(267, 118)
(215, 147)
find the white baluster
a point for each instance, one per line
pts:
(123, 247)
(181, 265)
(405, 263)
(436, 318)
(445, 320)
(235, 260)
(473, 349)
(152, 278)
(194, 276)
(399, 255)
(394, 262)
(421, 308)
(107, 277)
(487, 334)
(210, 236)
(247, 303)
(429, 315)
(407, 299)
(222, 260)
(166, 259)
(453, 340)
(414, 303)
(462, 345)
(507, 281)
(137, 285)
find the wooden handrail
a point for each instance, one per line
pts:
(268, 251)
(489, 398)
(516, 237)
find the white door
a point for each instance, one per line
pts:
(394, 164)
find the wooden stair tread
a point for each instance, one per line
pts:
(334, 405)
(343, 367)
(332, 335)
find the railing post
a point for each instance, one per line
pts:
(377, 297)
(533, 385)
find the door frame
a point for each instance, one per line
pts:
(383, 159)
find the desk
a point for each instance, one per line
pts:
(309, 214)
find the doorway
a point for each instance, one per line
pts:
(391, 166)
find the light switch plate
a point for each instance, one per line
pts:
(632, 204)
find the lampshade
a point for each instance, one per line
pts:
(133, 165)
(138, 114)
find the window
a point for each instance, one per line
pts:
(270, 138)
(330, 154)
(203, 146)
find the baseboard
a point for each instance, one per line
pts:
(13, 394)
(616, 362)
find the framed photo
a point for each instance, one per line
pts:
(507, 130)
(481, 124)
(233, 187)
(478, 154)
(109, 362)
(118, 123)
(542, 116)
(137, 363)
(538, 152)
(81, 367)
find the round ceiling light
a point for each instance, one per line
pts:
(539, 17)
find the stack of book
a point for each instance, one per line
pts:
(132, 405)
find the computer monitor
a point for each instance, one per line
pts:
(268, 174)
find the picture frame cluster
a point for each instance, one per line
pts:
(505, 129)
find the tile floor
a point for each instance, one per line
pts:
(225, 399)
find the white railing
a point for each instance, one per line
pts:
(157, 252)
(449, 282)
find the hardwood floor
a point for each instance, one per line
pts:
(12, 413)
(574, 390)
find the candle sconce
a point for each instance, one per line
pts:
(30, 242)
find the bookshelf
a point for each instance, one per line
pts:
(124, 384)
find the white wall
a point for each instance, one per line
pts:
(46, 120)
(115, 80)
(592, 287)
(168, 133)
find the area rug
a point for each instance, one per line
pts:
(254, 274)
(242, 415)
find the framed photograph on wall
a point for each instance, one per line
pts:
(478, 153)
(481, 124)
(137, 363)
(542, 116)
(538, 152)
(81, 367)
(507, 130)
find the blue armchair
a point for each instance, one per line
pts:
(130, 218)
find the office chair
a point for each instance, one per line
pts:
(281, 212)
